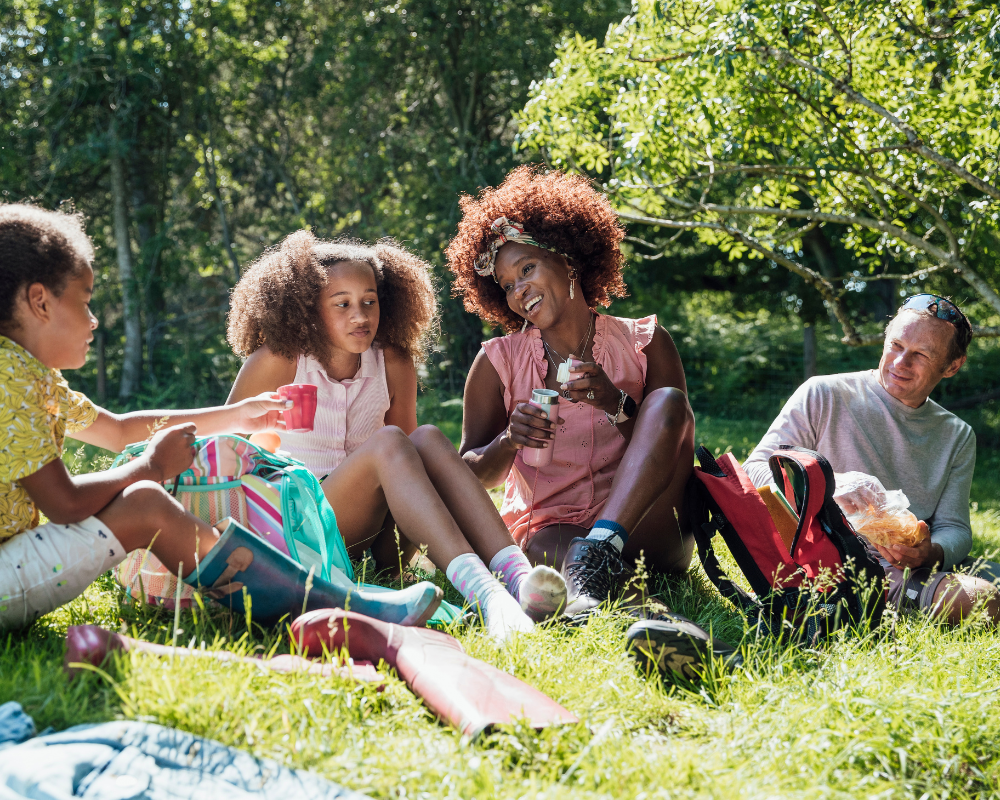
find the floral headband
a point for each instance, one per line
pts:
(503, 232)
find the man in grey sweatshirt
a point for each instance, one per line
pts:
(882, 423)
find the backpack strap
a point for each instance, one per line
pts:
(808, 477)
(695, 520)
(315, 524)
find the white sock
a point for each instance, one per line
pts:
(500, 611)
(540, 590)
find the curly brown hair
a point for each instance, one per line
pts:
(277, 300)
(561, 211)
(38, 246)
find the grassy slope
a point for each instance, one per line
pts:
(911, 715)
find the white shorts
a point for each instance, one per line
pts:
(48, 566)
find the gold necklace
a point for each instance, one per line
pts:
(581, 348)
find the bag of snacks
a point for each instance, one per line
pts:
(881, 516)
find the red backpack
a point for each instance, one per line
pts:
(825, 579)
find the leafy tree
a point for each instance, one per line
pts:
(194, 133)
(99, 89)
(376, 117)
(761, 125)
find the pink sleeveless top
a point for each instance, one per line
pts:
(347, 412)
(574, 487)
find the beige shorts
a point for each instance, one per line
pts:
(48, 566)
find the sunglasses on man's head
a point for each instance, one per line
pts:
(939, 306)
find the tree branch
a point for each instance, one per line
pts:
(913, 138)
(974, 400)
(885, 276)
(811, 277)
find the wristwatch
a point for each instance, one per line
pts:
(626, 409)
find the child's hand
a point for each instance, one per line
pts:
(170, 451)
(262, 413)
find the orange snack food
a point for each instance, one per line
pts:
(893, 527)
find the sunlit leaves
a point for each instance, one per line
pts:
(867, 110)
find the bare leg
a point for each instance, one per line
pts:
(650, 481)
(540, 591)
(145, 516)
(393, 554)
(464, 496)
(386, 473)
(549, 544)
(957, 596)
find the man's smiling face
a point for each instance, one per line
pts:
(915, 357)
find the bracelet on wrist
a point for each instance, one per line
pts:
(627, 408)
(617, 417)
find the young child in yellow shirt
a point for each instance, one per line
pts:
(46, 281)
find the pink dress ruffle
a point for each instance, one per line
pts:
(575, 486)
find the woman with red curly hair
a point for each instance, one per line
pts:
(536, 256)
(351, 319)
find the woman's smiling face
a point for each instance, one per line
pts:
(534, 281)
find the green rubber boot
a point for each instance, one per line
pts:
(276, 585)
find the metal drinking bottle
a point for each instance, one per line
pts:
(548, 401)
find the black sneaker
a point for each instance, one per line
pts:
(592, 569)
(668, 641)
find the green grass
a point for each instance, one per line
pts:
(910, 714)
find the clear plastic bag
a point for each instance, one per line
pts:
(881, 516)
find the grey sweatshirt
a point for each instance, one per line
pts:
(927, 452)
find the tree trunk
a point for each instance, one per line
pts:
(808, 351)
(819, 246)
(144, 214)
(132, 366)
(209, 154)
(102, 368)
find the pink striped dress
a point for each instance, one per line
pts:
(347, 412)
(588, 448)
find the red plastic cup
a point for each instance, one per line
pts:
(300, 417)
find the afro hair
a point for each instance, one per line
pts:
(563, 212)
(38, 246)
(278, 298)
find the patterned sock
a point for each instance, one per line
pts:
(541, 590)
(500, 611)
(512, 566)
(605, 529)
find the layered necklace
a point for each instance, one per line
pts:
(580, 348)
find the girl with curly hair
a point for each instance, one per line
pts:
(352, 319)
(536, 256)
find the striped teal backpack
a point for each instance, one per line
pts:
(273, 495)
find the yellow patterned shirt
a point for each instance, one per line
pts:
(37, 410)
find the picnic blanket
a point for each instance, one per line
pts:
(140, 760)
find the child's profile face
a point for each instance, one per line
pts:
(71, 326)
(349, 306)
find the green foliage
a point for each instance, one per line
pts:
(240, 122)
(756, 126)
